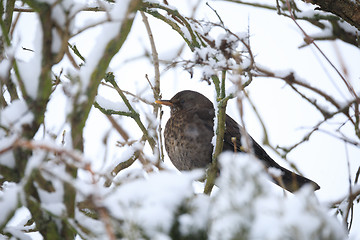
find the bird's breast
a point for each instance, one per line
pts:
(188, 142)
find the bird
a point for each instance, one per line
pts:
(189, 131)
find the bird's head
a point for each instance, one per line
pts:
(186, 100)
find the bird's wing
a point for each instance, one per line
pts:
(207, 117)
(233, 130)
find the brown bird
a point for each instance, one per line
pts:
(190, 129)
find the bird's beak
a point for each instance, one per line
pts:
(164, 102)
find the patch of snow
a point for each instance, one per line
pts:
(151, 204)
(5, 66)
(7, 158)
(108, 32)
(15, 115)
(56, 41)
(30, 70)
(275, 172)
(108, 104)
(245, 209)
(9, 198)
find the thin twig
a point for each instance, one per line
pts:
(155, 56)
(31, 144)
(30, 10)
(133, 114)
(308, 39)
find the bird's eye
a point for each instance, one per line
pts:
(182, 101)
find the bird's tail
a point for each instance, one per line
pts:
(292, 181)
(288, 180)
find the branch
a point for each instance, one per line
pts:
(81, 110)
(346, 9)
(258, 5)
(133, 114)
(148, 8)
(220, 132)
(156, 88)
(110, 111)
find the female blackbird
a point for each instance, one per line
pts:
(190, 129)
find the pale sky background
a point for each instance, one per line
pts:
(274, 40)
